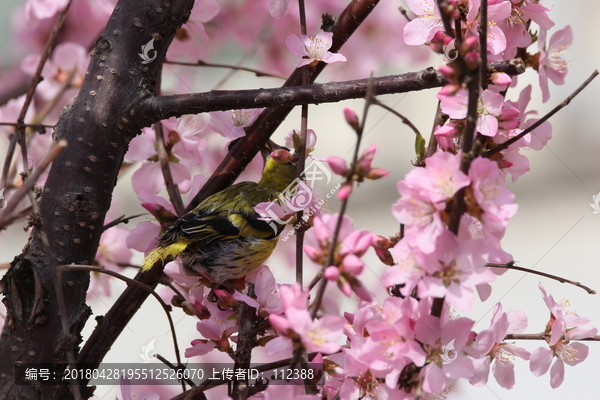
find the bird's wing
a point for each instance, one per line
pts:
(228, 215)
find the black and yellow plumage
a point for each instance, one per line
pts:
(224, 237)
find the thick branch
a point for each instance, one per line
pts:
(164, 107)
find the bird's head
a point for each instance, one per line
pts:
(279, 170)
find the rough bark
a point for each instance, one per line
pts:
(98, 126)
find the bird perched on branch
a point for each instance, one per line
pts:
(224, 238)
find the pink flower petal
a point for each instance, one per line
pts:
(296, 45)
(540, 361)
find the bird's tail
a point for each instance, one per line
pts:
(162, 252)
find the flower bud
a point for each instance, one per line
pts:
(351, 118)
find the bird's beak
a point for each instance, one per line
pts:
(268, 148)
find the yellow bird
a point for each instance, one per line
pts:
(223, 237)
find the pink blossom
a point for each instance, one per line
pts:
(391, 344)
(292, 296)
(293, 140)
(351, 118)
(192, 39)
(352, 246)
(454, 269)
(10, 112)
(509, 118)
(345, 190)
(407, 270)
(112, 254)
(490, 343)
(361, 171)
(551, 62)
(421, 217)
(321, 334)
(190, 130)
(438, 334)
(216, 330)
(440, 179)
(266, 289)
(424, 193)
(535, 140)
(66, 57)
(512, 161)
(427, 22)
(446, 134)
(338, 165)
(187, 286)
(492, 195)
(230, 124)
(496, 40)
(564, 327)
(323, 227)
(143, 236)
(314, 48)
(362, 382)
(364, 164)
(148, 180)
(202, 12)
(514, 27)
(500, 78)
(490, 106)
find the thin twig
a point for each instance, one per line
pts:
(511, 265)
(121, 220)
(163, 159)
(17, 216)
(22, 191)
(37, 127)
(467, 146)
(404, 13)
(542, 336)
(458, 201)
(300, 352)
(35, 80)
(302, 154)
(181, 367)
(438, 120)
(556, 109)
(397, 114)
(246, 340)
(444, 6)
(482, 30)
(201, 63)
(167, 308)
(66, 84)
(458, 32)
(359, 133)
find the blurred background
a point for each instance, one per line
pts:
(555, 230)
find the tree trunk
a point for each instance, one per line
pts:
(97, 126)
